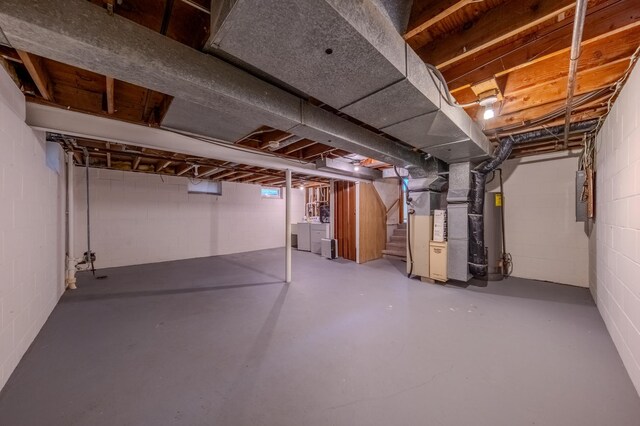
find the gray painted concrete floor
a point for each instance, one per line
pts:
(221, 341)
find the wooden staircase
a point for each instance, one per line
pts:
(397, 246)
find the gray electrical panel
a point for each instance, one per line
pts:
(581, 205)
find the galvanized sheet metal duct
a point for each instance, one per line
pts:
(82, 34)
(349, 55)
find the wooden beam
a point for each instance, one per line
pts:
(240, 176)
(209, 172)
(526, 115)
(435, 12)
(136, 163)
(111, 103)
(586, 81)
(223, 175)
(36, 68)
(164, 165)
(493, 27)
(316, 150)
(78, 158)
(614, 49)
(184, 169)
(602, 21)
(166, 17)
(298, 146)
(255, 179)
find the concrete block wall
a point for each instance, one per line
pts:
(31, 230)
(141, 218)
(615, 253)
(541, 230)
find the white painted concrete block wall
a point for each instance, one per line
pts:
(142, 218)
(616, 252)
(31, 231)
(542, 234)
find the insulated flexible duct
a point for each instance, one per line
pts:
(477, 255)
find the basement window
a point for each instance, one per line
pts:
(205, 187)
(270, 192)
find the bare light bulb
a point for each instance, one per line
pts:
(488, 114)
(356, 168)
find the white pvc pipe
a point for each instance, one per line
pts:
(288, 228)
(71, 260)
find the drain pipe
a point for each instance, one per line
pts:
(578, 26)
(71, 260)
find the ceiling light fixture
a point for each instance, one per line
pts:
(488, 113)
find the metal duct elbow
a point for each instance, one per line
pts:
(477, 257)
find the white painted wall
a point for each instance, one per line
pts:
(389, 192)
(615, 253)
(542, 234)
(31, 230)
(141, 218)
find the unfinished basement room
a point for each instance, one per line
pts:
(319, 212)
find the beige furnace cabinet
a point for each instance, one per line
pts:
(438, 261)
(421, 229)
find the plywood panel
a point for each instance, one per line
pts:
(372, 216)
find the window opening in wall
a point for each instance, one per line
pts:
(270, 192)
(205, 187)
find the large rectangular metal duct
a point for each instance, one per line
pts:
(349, 55)
(310, 46)
(347, 169)
(84, 35)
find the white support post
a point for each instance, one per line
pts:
(288, 228)
(332, 209)
(71, 260)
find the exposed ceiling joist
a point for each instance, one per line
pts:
(604, 20)
(111, 93)
(437, 11)
(39, 74)
(163, 165)
(223, 175)
(298, 146)
(493, 27)
(184, 169)
(209, 172)
(240, 176)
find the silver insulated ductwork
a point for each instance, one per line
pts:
(349, 55)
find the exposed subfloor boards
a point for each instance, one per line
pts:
(222, 340)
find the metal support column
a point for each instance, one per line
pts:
(288, 228)
(332, 209)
